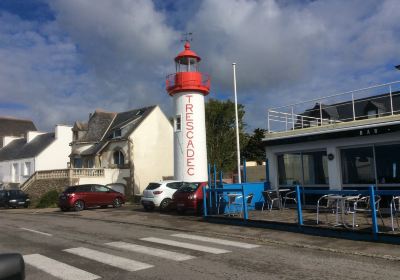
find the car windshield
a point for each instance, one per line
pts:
(189, 187)
(153, 186)
(16, 193)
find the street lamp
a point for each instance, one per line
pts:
(237, 124)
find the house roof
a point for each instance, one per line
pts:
(15, 127)
(19, 148)
(98, 124)
(129, 120)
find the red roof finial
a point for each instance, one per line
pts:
(187, 45)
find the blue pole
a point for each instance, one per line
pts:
(373, 214)
(245, 216)
(220, 178)
(209, 175)
(244, 170)
(267, 170)
(205, 201)
(215, 176)
(299, 210)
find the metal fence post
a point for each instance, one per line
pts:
(292, 118)
(391, 99)
(215, 186)
(373, 214)
(209, 175)
(299, 210)
(245, 215)
(320, 111)
(205, 201)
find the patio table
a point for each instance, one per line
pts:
(341, 207)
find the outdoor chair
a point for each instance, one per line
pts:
(394, 210)
(269, 198)
(363, 205)
(327, 204)
(289, 196)
(234, 203)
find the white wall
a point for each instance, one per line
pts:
(113, 175)
(152, 149)
(55, 156)
(332, 146)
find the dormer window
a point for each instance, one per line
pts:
(372, 113)
(117, 133)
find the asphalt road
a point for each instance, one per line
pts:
(128, 243)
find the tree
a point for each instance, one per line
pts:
(254, 149)
(221, 133)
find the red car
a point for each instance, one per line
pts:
(85, 196)
(189, 197)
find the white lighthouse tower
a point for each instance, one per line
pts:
(188, 87)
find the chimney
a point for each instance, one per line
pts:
(30, 135)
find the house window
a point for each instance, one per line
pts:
(89, 163)
(372, 114)
(117, 133)
(358, 166)
(119, 158)
(27, 169)
(178, 123)
(77, 163)
(308, 168)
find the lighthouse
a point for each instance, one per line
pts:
(188, 87)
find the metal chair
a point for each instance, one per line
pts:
(269, 198)
(289, 196)
(327, 204)
(363, 205)
(394, 210)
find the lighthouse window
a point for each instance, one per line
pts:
(178, 123)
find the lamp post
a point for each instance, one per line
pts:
(237, 124)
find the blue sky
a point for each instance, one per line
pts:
(62, 59)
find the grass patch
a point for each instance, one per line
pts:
(49, 199)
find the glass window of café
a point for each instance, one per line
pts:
(388, 164)
(306, 168)
(358, 165)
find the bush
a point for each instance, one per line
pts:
(49, 199)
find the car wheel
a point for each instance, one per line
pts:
(117, 202)
(79, 205)
(164, 205)
(148, 208)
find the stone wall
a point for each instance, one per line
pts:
(40, 187)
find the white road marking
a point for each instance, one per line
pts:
(123, 263)
(58, 269)
(35, 231)
(216, 240)
(185, 245)
(151, 251)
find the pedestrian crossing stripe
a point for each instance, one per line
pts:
(119, 262)
(216, 240)
(190, 246)
(150, 251)
(58, 269)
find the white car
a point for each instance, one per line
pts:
(159, 194)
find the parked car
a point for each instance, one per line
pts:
(189, 197)
(14, 199)
(159, 194)
(84, 196)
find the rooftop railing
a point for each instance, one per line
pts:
(370, 102)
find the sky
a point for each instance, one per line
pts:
(62, 59)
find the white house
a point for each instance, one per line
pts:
(20, 157)
(132, 148)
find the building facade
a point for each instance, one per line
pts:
(136, 145)
(20, 157)
(350, 144)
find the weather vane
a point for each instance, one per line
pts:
(187, 37)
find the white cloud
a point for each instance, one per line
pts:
(115, 54)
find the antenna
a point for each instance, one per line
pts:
(187, 37)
